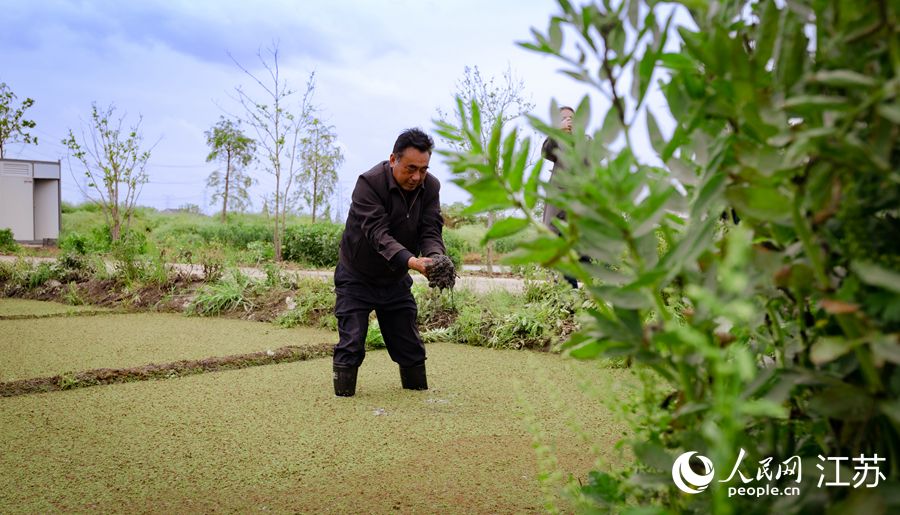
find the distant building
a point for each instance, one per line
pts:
(31, 200)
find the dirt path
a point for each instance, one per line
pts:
(477, 284)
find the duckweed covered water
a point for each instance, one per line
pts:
(49, 346)
(274, 439)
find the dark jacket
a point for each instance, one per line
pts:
(384, 229)
(549, 150)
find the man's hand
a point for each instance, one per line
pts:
(419, 264)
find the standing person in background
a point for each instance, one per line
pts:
(394, 218)
(550, 150)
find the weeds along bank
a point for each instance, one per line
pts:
(538, 317)
(245, 239)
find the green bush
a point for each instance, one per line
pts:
(236, 235)
(315, 244)
(453, 240)
(75, 242)
(772, 340)
(261, 251)
(455, 257)
(8, 241)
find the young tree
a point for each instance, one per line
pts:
(321, 159)
(230, 146)
(278, 126)
(114, 164)
(11, 122)
(500, 101)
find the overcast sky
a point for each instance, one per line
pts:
(380, 67)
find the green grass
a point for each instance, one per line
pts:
(19, 307)
(49, 346)
(276, 437)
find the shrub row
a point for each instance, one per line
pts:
(316, 244)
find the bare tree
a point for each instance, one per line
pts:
(11, 122)
(498, 99)
(278, 125)
(113, 163)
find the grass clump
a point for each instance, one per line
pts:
(228, 293)
(311, 304)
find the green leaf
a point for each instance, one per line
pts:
(582, 115)
(516, 175)
(817, 102)
(876, 275)
(761, 203)
(764, 408)
(676, 62)
(842, 78)
(611, 127)
(653, 455)
(531, 187)
(556, 35)
(656, 137)
(588, 349)
(844, 403)
(890, 112)
(886, 348)
(505, 227)
(829, 349)
(707, 195)
(684, 171)
(633, 299)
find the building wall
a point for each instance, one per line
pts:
(17, 199)
(30, 199)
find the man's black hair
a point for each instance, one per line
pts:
(563, 108)
(415, 138)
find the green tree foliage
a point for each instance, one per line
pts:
(320, 161)
(12, 124)
(231, 147)
(114, 164)
(498, 103)
(278, 126)
(776, 335)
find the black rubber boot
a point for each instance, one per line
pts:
(344, 380)
(413, 378)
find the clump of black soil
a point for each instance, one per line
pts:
(441, 273)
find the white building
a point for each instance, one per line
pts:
(31, 200)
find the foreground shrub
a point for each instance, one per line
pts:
(763, 332)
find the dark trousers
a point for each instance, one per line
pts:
(396, 310)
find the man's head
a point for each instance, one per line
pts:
(410, 158)
(566, 113)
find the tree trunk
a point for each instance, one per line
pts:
(227, 174)
(277, 243)
(315, 187)
(490, 246)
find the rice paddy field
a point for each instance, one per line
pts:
(274, 439)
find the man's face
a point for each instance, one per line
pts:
(566, 122)
(410, 169)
